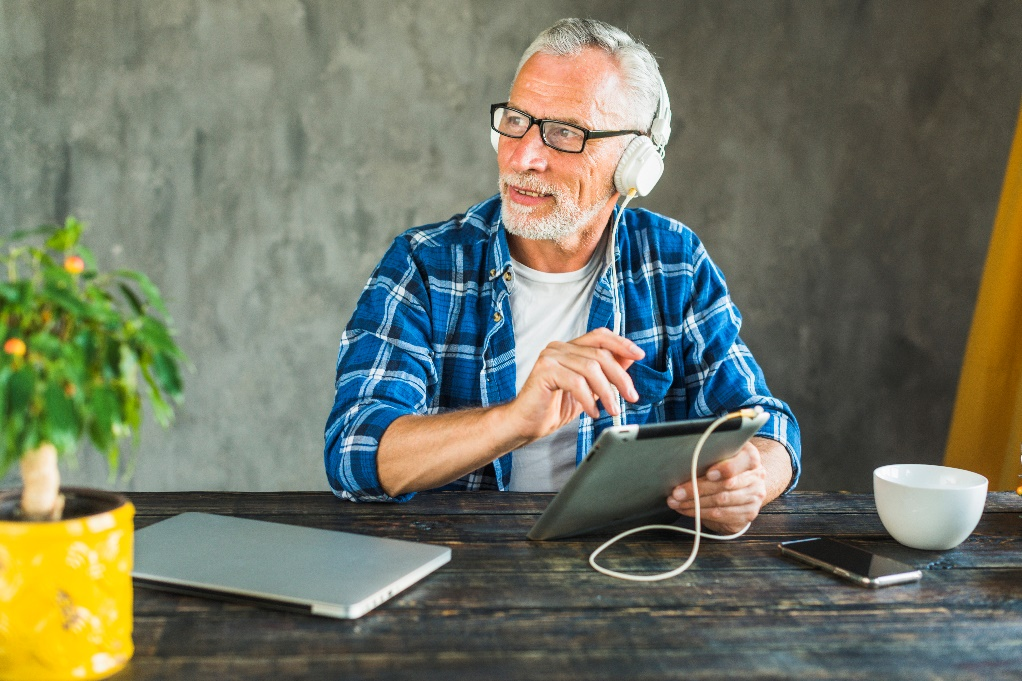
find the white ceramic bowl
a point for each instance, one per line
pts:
(929, 507)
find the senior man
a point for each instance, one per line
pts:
(480, 354)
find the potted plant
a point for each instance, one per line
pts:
(81, 351)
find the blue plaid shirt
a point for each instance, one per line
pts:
(433, 332)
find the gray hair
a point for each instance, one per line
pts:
(568, 37)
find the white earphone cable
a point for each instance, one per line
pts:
(619, 418)
(697, 532)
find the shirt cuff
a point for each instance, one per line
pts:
(780, 428)
(357, 473)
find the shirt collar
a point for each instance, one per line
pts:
(499, 255)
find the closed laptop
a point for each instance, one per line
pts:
(321, 572)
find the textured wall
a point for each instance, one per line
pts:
(842, 162)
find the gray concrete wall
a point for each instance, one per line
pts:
(842, 161)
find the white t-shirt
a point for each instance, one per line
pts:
(548, 307)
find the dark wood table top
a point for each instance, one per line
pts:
(508, 608)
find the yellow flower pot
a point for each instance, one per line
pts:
(65, 589)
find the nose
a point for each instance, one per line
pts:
(526, 153)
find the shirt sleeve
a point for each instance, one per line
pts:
(721, 374)
(385, 370)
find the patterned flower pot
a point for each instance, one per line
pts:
(65, 588)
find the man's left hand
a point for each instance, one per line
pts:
(731, 492)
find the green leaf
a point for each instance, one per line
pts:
(13, 434)
(15, 292)
(73, 362)
(163, 412)
(105, 412)
(67, 236)
(47, 345)
(132, 297)
(20, 389)
(101, 309)
(132, 405)
(64, 299)
(10, 292)
(56, 276)
(63, 426)
(85, 341)
(155, 335)
(5, 379)
(30, 435)
(111, 360)
(152, 293)
(128, 368)
(166, 372)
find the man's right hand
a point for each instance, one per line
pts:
(569, 378)
(423, 452)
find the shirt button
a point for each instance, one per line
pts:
(507, 276)
(493, 273)
(497, 316)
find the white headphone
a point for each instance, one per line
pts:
(642, 162)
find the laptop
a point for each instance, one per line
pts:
(320, 572)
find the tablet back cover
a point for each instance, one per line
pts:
(626, 476)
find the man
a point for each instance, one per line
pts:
(480, 354)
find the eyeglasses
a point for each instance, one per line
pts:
(555, 134)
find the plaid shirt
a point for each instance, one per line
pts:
(432, 332)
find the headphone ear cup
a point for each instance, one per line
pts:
(494, 138)
(640, 167)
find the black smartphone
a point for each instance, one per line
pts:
(856, 565)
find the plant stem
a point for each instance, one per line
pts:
(41, 499)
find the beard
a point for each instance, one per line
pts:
(564, 219)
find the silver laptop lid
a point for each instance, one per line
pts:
(323, 572)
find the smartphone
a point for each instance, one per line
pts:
(857, 566)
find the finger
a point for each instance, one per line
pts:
(749, 480)
(753, 493)
(583, 378)
(723, 475)
(745, 459)
(726, 521)
(601, 369)
(733, 501)
(707, 487)
(728, 499)
(556, 376)
(624, 349)
(733, 518)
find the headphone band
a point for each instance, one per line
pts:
(660, 129)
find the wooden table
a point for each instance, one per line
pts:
(508, 608)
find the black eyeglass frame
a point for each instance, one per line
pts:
(586, 134)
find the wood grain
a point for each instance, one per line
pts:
(509, 608)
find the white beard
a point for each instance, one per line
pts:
(566, 218)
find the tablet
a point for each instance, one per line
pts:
(625, 478)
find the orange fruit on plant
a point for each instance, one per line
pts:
(74, 264)
(15, 346)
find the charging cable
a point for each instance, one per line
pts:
(620, 418)
(697, 532)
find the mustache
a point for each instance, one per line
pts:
(529, 182)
